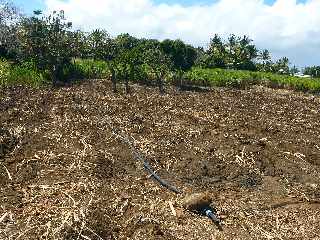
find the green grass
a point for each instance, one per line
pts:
(243, 79)
(23, 74)
(90, 69)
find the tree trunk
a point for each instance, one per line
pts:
(129, 76)
(54, 73)
(160, 84)
(180, 76)
(127, 85)
(113, 80)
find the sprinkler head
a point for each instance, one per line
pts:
(201, 203)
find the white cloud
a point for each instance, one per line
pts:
(286, 28)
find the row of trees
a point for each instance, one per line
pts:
(50, 43)
(240, 53)
(312, 71)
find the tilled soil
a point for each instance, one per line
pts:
(64, 174)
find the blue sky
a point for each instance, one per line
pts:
(285, 27)
(29, 5)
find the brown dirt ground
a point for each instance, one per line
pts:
(64, 175)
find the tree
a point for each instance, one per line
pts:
(232, 50)
(182, 55)
(281, 66)
(159, 64)
(8, 12)
(265, 61)
(126, 65)
(312, 71)
(217, 54)
(46, 41)
(9, 15)
(265, 55)
(294, 70)
(245, 54)
(100, 45)
(202, 58)
(126, 42)
(112, 67)
(79, 44)
(235, 53)
(145, 44)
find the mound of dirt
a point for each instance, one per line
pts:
(65, 174)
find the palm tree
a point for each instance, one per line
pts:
(217, 52)
(282, 65)
(232, 47)
(265, 55)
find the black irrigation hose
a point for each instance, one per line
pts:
(163, 183)
(138, 155)
(207, 211)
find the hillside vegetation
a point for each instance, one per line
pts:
(45, 49)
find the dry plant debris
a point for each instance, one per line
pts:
(63, 174)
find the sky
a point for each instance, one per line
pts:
(285, 27)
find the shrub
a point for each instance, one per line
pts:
(4, 72)
(23, 74)
(26, 74)
(89, 68)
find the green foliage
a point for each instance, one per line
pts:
(239, 53)
(216, 56)
(26, 74)
(265, 64)
(22, 74)
(294, 70)
(126, 42)
(235, 53)
(159, 66)
(8, 15)
(128, 62)
(242, 79)
(99, 46)
(7, 11)
(45, 48)
(145, 44)
(88, 69)
(183, 56)
(79, 45)
(312, 71)
(281, 66)
(4, 72)
(46, 41)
